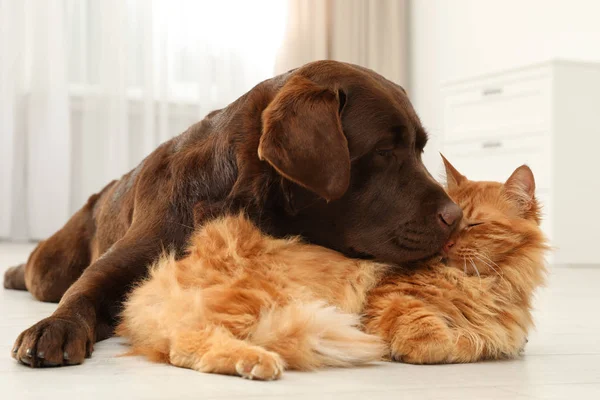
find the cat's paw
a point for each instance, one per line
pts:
(522, 348)
(251, 362)
(425, 341)
(262, 365)
(510, 352)
(224, 355)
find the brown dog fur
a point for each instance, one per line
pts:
(304, 153)
(247, 304)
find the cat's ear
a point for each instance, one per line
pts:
(520, 187)
(453, 177)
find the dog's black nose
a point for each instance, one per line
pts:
(450, 215)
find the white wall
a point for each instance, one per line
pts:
(460, 38)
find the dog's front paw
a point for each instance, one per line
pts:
(53, 342)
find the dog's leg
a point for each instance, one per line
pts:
(92, 302)
(215, 350)
(56, 263)
(14, 278)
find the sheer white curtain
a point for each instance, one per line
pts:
(89, 87)
(371, 33)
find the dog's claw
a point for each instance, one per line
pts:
(38, 345)
(51, 364)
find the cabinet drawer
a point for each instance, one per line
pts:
(496, 159)
(509, 108)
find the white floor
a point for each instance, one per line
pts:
(562, 361)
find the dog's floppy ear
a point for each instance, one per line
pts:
(302, 137)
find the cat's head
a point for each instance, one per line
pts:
(500, 226)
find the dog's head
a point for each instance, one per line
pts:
(348, 143)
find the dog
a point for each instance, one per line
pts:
(329, 151)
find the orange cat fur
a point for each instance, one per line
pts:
(246, 304)
(477, 304)
(243, 303)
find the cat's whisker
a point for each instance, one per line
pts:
(465, 265)
(388, 240)
(476, 270)
(184, 225)
(488, 258)
(501, 275)
(488, 265)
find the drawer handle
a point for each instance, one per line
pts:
(491, 91)
(491, 145)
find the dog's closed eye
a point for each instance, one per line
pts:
(385, 151)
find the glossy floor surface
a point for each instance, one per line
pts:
(562, 361)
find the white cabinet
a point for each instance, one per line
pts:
(546, 116)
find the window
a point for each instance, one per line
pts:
(187, 51)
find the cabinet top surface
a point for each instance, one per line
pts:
(517, 70)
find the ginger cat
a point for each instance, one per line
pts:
(476, 303)
(243, 303)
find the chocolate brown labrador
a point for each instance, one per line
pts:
(330, 151)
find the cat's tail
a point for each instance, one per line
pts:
(314, 335)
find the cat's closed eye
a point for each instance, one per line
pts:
(473, 224)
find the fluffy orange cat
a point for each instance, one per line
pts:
(247, 304)
(475, 304)
(243, 303)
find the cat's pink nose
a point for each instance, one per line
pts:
(450, 215)
(449, 244)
